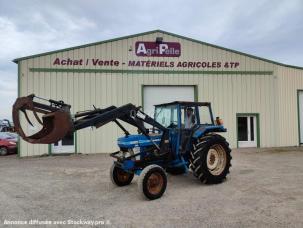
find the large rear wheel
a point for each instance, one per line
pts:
(210, 159)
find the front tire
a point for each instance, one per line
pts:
(152, 182)
(3, 151)
(210, 159)
(120, 177)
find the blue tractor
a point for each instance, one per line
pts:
(181, 137)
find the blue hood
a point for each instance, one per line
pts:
(132, 141)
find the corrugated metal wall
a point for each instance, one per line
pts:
(229, 93)
(290, 81)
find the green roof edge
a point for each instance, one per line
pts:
(154, 31)
(85, 45)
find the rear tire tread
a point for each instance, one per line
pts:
(198, 155)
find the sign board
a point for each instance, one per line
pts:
(154, 49)
(149, 49)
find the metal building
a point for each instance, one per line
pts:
(259, 100)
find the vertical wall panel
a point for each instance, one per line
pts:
(289, 82)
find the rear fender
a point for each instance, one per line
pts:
(203, 130)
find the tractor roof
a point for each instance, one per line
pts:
(185, 103)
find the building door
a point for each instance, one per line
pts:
(247, 131)
(153, 95)
(66, 145)
(300, 103)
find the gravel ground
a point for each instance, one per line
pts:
(264, 189)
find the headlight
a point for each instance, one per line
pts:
(12, 143)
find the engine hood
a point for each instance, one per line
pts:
(132, 141)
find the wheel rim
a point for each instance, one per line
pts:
(216, 159)
(2, 151)
(122, 176)
(155, 183)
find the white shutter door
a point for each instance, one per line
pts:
(163, 94)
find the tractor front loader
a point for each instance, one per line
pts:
(181, 137)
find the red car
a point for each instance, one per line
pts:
(8, 143)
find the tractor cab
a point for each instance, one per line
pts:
(183, 114)
(186, 121)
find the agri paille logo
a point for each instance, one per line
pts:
(154, 49)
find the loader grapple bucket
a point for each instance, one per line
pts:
(56, 120)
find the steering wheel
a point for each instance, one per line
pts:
(173, 124)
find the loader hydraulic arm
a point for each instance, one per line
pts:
(57, 120)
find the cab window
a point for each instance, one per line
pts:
(205, 117)
(167, 115)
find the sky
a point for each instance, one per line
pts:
(270, 29)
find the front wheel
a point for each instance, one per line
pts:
(3, 151)
(210, 159)
(152, 182)
(120, 177)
